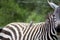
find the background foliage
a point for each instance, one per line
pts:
(24, 10)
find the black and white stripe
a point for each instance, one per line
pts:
(41, 31)
(12, 31)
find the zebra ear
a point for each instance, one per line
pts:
(53, 5)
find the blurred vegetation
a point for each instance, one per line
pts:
(24, 10)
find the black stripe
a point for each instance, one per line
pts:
(40, 30)
(18, 31)
(21, 26)
(37, 31)
(30, 32)
(7, 33)
(34, 32)
(26, 32)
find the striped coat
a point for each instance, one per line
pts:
(33, 31)
(17, 30)
(28, 31)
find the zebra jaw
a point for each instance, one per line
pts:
(53, 5)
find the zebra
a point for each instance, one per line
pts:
(33, 31)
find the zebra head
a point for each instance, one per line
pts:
(56, 13)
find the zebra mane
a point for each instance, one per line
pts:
(49, 15)
(50, 18)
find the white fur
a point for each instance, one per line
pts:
(6, 29)
(5, 36)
